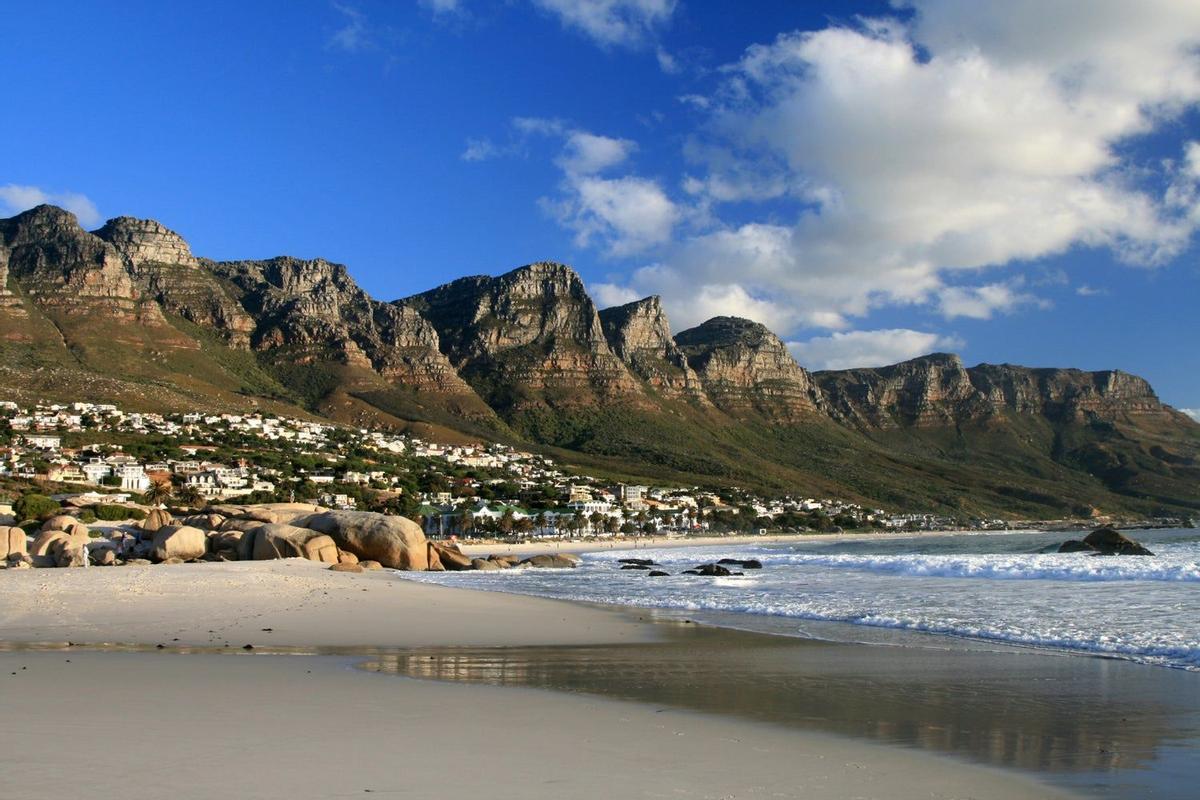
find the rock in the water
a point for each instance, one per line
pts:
(749, 563)
(484, 564)
(644, 562)
(279, 540)
(504, 561)
(1075, 546)
(394, 542)
(712, 570)
(346, 567)
(553, 561)
(181, 542)
(1111, 542)
(634, 566)
(157, 518)
(657, 573)
(450, 557)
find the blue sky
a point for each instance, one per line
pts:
(1015, 181)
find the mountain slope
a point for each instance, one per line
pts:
(128, 313)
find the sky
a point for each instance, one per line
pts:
(1016, 181)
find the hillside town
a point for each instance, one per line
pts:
(98, 453)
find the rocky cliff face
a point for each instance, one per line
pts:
(163, 267)
(639, 334)
(745, 368)
(528, 338)
(61, 266)
(1064, 393)
(937, 390)
(928, 391)
(308, 312)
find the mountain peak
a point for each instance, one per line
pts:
(145, 241)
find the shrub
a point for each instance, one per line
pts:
(34, 506)
(87, 516)
(112, 513)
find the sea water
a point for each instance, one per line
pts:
(977, 587)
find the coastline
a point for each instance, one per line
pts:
(660, 542)
(199, 709)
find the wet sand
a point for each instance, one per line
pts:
(152, 723)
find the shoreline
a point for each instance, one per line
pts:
(224, 606)
(661, 542)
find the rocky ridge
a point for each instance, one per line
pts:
(530, 337)
(529, 350)
(640, 335)
(745, 368)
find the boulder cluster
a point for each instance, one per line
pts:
(349, 541)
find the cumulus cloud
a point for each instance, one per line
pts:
(894, 158)
(1194, 413)
(628, 214)
(984, 302)
(586, 153)
(626, 23)
(15, 199)
(1085, 290)
(845, 350)
(624, 214)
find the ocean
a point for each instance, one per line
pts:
(971, 588)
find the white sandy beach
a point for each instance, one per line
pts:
(86, 723)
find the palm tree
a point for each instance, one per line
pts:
(189, 496)
(158, 492)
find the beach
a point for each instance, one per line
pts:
(307, 713)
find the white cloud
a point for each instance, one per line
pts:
(667, 62)
(586, 153)
(1090, 291)
(353, 36)
(607, 295)
(15, 199)
(542, 126)
(480, 150)
(628, 23)
(628, 215)
(878, 348)
(1194, 413)
(984, 302)
(899, 158)
(443, 7)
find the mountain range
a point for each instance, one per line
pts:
(127, 313)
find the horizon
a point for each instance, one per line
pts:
(1031, 200)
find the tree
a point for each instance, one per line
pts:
(466, 522)
(506, 521)
(159, 492)
(596, 518)
(189, 495)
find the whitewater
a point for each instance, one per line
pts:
(978, 587)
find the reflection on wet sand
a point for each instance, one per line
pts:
(1093, 719)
